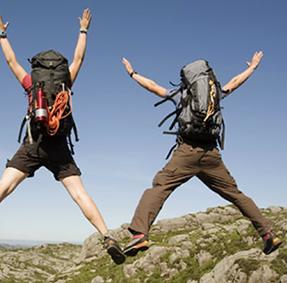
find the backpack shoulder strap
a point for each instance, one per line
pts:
(169, 97)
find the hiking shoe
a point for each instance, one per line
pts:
(271, 243)
(114, 250)
(139, 243)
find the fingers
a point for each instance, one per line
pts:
(1, 22)
(87, 14)
(85, 20)
(127, 65)
(258, 54)
(125, 61)
(255, 60)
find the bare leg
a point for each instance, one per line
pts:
(11, 178)
(75, 188)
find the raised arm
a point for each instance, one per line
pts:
(9, 54)
(143, 81)
(80, 50)
(238, 80)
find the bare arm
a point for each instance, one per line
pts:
(10, 56)
(238, 80)
(143, 81)
(80, 49)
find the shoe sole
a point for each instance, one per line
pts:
(275, 246)
(117, 255)
(140, 247)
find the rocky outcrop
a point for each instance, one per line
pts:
(36, 264)
(216, 246)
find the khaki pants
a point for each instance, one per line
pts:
(206, 164)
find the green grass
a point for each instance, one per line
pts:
(280, 263)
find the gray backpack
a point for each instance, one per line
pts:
(198, 112)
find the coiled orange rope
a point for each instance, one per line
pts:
(55, 115)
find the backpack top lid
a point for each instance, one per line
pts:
(192, 71)
(48, 59)
(52, 68)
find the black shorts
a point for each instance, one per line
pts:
(53, 153)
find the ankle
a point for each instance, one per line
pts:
(268, 235)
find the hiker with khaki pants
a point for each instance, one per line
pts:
(194, 157)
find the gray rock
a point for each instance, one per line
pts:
(93, 246)
(229, 210)
(98, 279)
(178, 253)
(263, 274)
(275, 209)
(147, 263)
(171, 224)
(187, 245)
(203, 257)
(175, 240)
(163, 268)
(129, 270)
(226, 268)
(283, 279)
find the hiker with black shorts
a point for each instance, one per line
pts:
(45, 142)
(196, 153)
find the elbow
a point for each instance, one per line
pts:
(79, 60)
(234, 85)
(10, 62)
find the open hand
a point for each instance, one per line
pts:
(3, 27)
(257, 57)
(85, 20)
(127, 65)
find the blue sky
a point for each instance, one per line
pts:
(121, 147)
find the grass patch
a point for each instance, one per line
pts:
(280, 263)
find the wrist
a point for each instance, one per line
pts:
(3, 33)
(253, 67)
(132, 73)
(84, 30)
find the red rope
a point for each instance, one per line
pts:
(57, 112)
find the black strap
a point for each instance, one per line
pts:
(167, 117)
(170, 151)
(21, 129)
(175, 119)
(75, 132)
(169, 97)
(69, 139)
(71, 145)
(222, 136)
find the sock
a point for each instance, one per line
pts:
(267, 236)
(138, 236)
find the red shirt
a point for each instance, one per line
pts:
(27, 82)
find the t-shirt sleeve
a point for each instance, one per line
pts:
(27, 82)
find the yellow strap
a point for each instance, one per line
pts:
(211, 106)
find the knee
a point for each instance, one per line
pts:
(82, 198)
